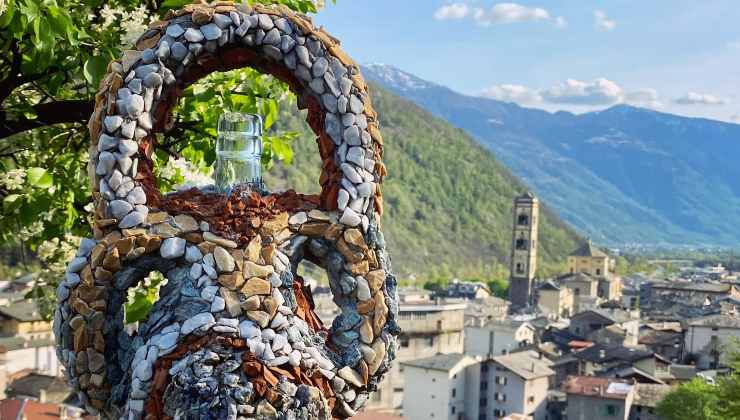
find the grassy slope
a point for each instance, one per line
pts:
(448, 201)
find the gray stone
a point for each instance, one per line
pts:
(120, 208)
(287, 43)
(356, 105)
(142, 71)
(135, 86)
(235, 18)
(330, 102)
(179, 51)
(266, 22)
(76, 265)
(211, 31)
(167, 341)
(174, 30)
(148, 56)
(193, 254)
(303, 56)
(272, 37)
(319, 67)
(145, 121)
(317, 85)
(126, 185)
(222, 21)
(351, 173)
(348, 119)
(273, 52)
(134, 105)
(106, 162)
(112, 123)
(127, 129)
(347, 283)
(131, 220)
(345, 85)
(332, 83)
(218, 304)
(356, 155)
(303, 73)
(136, 196)
(172, 248)
(342, 103)
(194, 35)
(242, 29)
(195, 49)
(342, 199)
(366, 189)
(363, 289)
(197, 321)
(128, 147)
(352, 136)
(163, 52)
(196, 270)
(350, 217)
(153, 80)
(106, 142)
(333, 128)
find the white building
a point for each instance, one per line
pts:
(706, 338)
(455, 386)
(498, 337)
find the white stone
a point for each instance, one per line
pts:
(193, 254)
(172, 248)
(224, 260)
(350, 217)
(197, 321)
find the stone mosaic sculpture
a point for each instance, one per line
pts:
(233, 334)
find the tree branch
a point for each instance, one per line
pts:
(50, 113)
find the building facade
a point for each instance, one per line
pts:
(555, 301)
(498, 337)
(523, 266)
(707, 337)
(593, 398)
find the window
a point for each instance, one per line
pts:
(483, 402)
(611, 410)
(453, 409)
(484, 386)
(598, 271)
(531, 399)
(430, 340)
(482, 417)
(521, 244)
(454, 392)
(484, 368)
(523, 220)
(519, 268)
(404, 341)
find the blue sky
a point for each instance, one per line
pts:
(678, 56)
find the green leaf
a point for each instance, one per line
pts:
(94, 69)
(39, 177)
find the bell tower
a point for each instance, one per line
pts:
(523, 250)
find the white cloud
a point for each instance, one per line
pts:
(503, 13)
(603, 22)
(454, 11)
(575, 92)
(513, 93)
(646, 97)
(735, 118)
(560, 22)
(693, 98)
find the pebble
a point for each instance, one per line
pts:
(112, 123)
(222, 21)
(197, 321)
(272, 37)
(179, 51)
(342, 199)
(224, 261)
(120, 208)
(172, 248)
(247, 329)
(136, 196)
(128, 147)
(356, 155)
(76, 265)
(196, 270)
(194, 35)
(226, 243)
(174, 30)
(132, 219)
(356, 105)
(211, 31)
(193, 254)
(106, 142)
(266, 22)
(128, 128)
(352, 136)
(350, 218)
(106, 161)
(349, 375)
(218, 305)
(319, 67)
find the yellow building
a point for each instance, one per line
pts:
(23, 319)
(590, 260)
(556, 300)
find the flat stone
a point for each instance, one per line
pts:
(256, 286)
(120, 208)
(298, 218)
(356, 155)
(350, 217)
(363, 289)
(211, 31)
(252, 303)
(356, 105)
(342, 199)
(351, 376)
(112, 123)
(231, 301)
(224, 260)
(226, 243)
(218, 304)
(134, 105)
(132, 219)
(255, 270)
(260, 317)
(197, 321)
(194, 35)
(319, 67)
(265, 22)
(172, 248)
(174, 30)
(193, 254)
(351, 173)
(179, 51)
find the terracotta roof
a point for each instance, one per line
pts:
(592, 386)
(588, 250)
(31, 410)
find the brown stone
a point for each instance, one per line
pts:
(256, 286)
(350, 254)
(233, 306)
(251, 304)
(381, 313)
(283, 236)
(98, 305)
(231, 281)
(333, 232)
(276, 224)
(202, 16)
(90, 293)
(148, 42)
(375, 280)
(255, 270)
(97, 254)
(359, 268)
(366, 331)
(134, 232)
(125, 245)
(130, 57)
(103, 275)
(313, 228)
(165, 230)
(364, 307)
(252, 251)
(319, 215)
(379, 349)
(218, 240)
(206, 248)
(186, 223)
(156, 218)
(77, 322)
(97, 379)
(112, 237)
(99, 342)
(354, 237)
(112, 260)
(238, 256)
(104, 223)
(80, 306)
(268, 252)
(87, 276)
(153, 244)
(364, 371)
(260, 317)
(194, 237)
(270, 306)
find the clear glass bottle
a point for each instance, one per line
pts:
(239, 152)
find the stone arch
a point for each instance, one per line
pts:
(245, 273)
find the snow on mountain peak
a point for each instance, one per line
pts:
(394, 77)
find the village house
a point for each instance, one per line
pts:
(498, 337)
(647, 397)
(594, 398)
(26, 340)
(555, 301)
(592, 325)
(707, 337)
(455, 386)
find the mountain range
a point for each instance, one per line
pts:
(448, 201)
(624, 176)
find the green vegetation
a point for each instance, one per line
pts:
(448, 201)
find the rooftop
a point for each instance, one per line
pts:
(588, 250)
(31, 385)
(526, 364)
(695, 287)
(24, 311)
(616, 316)
(600, 353)
(34, 410)
(592, 386)
(719, 320)
(441, 362)
(18, 342)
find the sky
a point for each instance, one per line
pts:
(676, 56)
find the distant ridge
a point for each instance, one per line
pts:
(624, 175)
